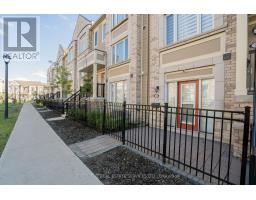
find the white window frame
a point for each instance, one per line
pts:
(114, 45)
(175, 24)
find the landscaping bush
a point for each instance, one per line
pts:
(39, 102)
(94, 119)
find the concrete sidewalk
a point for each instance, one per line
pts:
(34, 154)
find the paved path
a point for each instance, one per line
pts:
(95, 146)
(34, 154)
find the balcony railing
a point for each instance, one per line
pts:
(251, 64)
(93, 57)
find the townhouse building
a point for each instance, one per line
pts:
(197, 60)
(61, 60)
(187, 60)
(23, 91)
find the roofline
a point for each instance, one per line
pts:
(85, 17)
(79, 15)
(96, 23)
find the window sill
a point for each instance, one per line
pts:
(194, 38)
(119, 24)
(119, 64)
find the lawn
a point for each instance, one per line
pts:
(6, 126)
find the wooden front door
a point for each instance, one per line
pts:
(188, 97)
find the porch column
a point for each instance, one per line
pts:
(241, 53)
(94, 81)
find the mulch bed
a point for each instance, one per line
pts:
(121, 166)
(68, 130)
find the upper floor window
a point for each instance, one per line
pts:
(120, 51)
(82, 44)
(104, 31)
(117, 18)
(182, 26)
(70, 55)
(96, 39)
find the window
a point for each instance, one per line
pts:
(118, 91)
(70, 55)
(117, 18)
(120, 51)
(206, 23)
(186, 26)
(182, 26)
(96, 39)
(82, 44)
(169, 29)
(104, 31)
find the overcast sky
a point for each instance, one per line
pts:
(54, 30)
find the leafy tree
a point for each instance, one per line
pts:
(86, 89)
(61, 81)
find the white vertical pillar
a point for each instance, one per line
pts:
(94, 81)
(241, 53)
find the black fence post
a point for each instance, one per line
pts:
(104, 117)
(123, 124)
(252, 172)
(63, 107)
(85, 112)
(79, 98)
(165, 131)
(67, 108)
(245, 145)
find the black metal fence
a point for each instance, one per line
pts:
(202, 142)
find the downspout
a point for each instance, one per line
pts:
(142, 74)
(141, 59)
(148, 65)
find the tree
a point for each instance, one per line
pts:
(86, 89)
(62, 82)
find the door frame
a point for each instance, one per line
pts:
(196, 117)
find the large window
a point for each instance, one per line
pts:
(182, 26)
(82, 44)
(118, 91)
(96, 39)
(120, 51)
(104, 31)
(117, 18)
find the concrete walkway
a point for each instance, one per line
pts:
(34, 154)
(95, 146)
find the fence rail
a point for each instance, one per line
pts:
(202, 142)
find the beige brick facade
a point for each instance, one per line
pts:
(152, 64)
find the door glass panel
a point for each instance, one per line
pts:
(172, 99)
(188, 100)
(119, 91)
